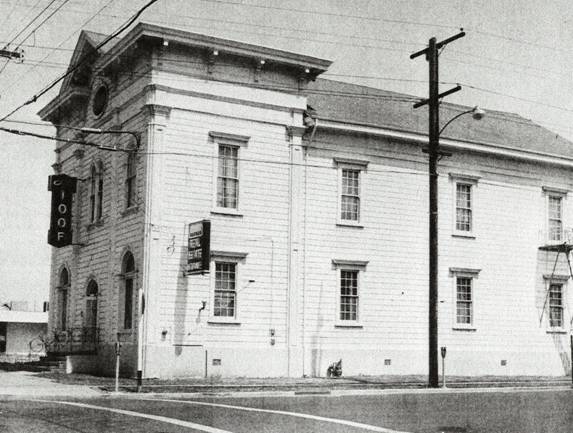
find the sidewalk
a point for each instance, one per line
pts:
(44, 384)
(300, 385)
(25, 383)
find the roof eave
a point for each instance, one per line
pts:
(316, 65)
(46, 113)
(467, 145)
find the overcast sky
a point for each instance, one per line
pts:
(516, 57)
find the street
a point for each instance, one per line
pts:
(468, 411)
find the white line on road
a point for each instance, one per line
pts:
(174, 421)
(282, 412)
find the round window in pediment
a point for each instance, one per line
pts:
(100, 100)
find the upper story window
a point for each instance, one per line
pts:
(96, 192)
(350, 195)
(464, 204)
(228, 177)
(555, 217)
(228, 148)
(463, 207)
(555, 200)
(350, 187)
(130, 180)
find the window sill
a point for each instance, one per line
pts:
(228, 212)
(465, 328)
(349, 224)
(466, 235)
(95, 224)
(556, 331)
(222, 321)
(348, 325)
(130, 210)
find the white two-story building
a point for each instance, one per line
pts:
(316, 194)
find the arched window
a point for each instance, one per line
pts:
(96, 192)
(92, 289)
(90, 318)
(62, 299)
(126, 297)
(64, 277)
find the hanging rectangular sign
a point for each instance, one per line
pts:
(62, 187)
(198, 247)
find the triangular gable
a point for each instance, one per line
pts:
(87, 42)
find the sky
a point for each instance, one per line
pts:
(515, 57)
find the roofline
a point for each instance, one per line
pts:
(60, 100)
(480, 147)
(205, 41)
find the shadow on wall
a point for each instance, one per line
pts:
(180, 308)
(315, 343)
(563, 349)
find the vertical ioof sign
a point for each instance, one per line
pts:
(198, 247)
(62, 187)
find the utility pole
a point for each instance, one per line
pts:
(434, 151)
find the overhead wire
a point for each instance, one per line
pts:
(81, 62)
(405, 80)
(30, 22)
(86, 22)
(60, 6)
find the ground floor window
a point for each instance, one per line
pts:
(62, 309)
(464, 301)
(225, 289)
(127, 292)
(348, 295)
(350, 275)
(556, 305)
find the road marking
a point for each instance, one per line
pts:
(368, 427)
(175, 421)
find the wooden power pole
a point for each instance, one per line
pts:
(434, 151)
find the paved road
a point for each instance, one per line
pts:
(420, 412)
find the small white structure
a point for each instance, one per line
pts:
(17, 330)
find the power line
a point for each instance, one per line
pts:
(45, 19)
(51, 137)
(70, 35)
(30, 22)
(82, 61)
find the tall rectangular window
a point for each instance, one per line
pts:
(93, 180)
(350, 195)
(130, 186)
(99, 206)
(128, 304)
(556, 305)
(228, 177)
(464, 301)
(555, 216)
(225, 289)
(348, 295)
(463, 207)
